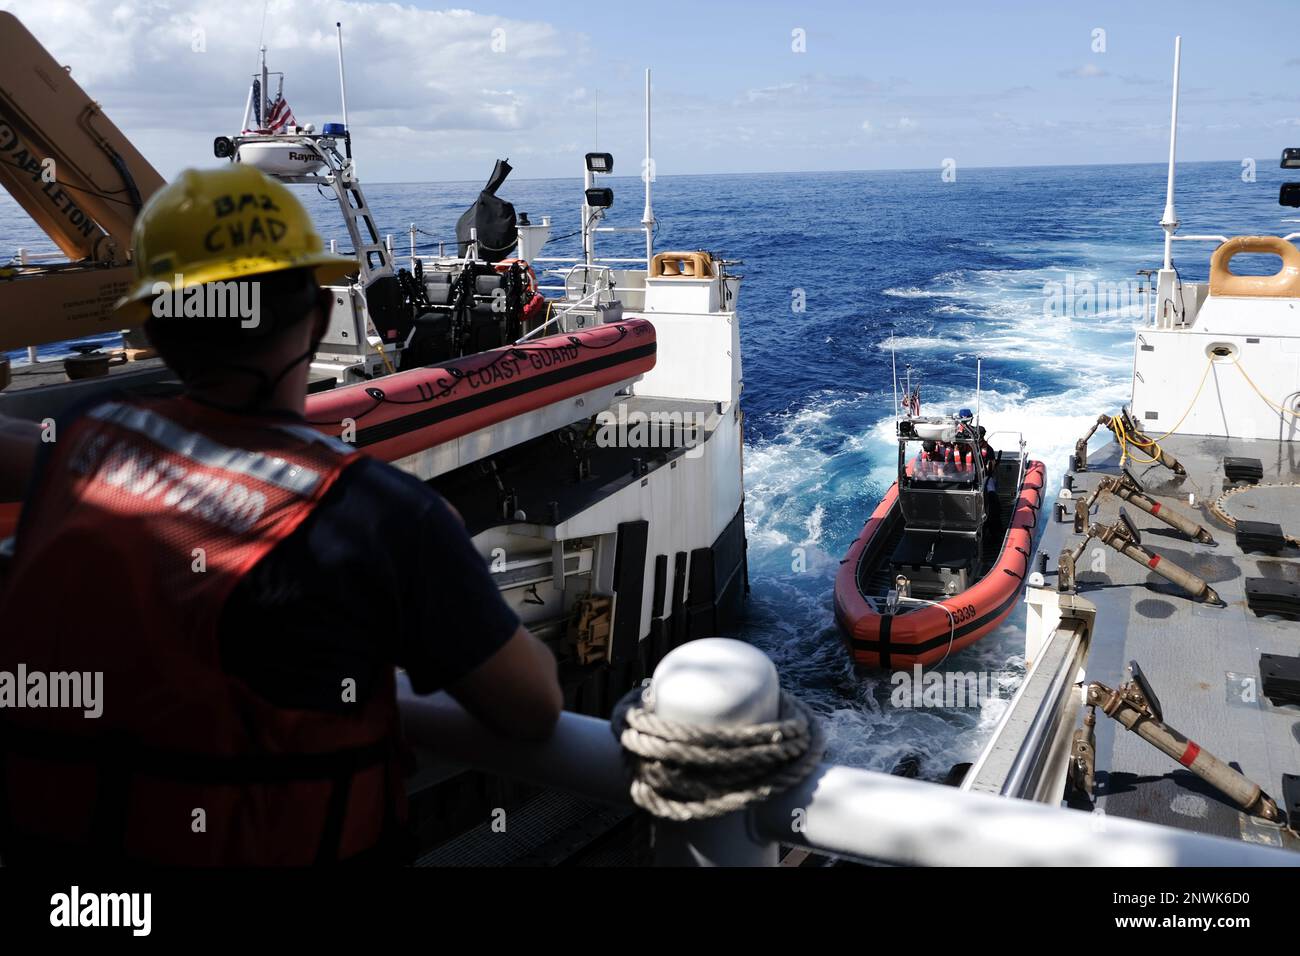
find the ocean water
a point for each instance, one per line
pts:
(943, 273)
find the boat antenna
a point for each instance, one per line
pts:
(1169, 221)
(647, 174)
(264, 106)
(893, 360)
(343, 92)
(979, 367)
(261, 33)
(261, 46)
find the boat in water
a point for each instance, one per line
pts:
(583, 416)
(943, 558)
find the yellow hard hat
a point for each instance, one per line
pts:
(215, 225)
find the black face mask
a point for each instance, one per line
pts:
(266, 383)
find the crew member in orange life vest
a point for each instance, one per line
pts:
(246, 586)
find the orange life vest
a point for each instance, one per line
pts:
(149, 513)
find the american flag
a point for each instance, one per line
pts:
(278, 115)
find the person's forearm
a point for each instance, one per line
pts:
(516, 691)
(19, 441)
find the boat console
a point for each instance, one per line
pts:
(941, 494)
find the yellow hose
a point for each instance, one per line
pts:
(1267, 401)
(1127, 438)
(371, 330)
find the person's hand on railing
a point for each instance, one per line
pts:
(516, 691)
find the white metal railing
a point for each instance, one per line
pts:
(558, 318)
(26, 257)
(613, 288)
(596, 260)
(1023, 755)
(1150, 307)
(840, 811)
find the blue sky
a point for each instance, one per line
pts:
(436, 94)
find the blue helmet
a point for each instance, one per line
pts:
(965, 415)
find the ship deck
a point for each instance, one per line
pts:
(1202, 661)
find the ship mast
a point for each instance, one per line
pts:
(1168, 288)
(647, 174)
(1169, 221)
(264, 107)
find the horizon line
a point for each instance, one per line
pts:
(814, 172)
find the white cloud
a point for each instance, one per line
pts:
(1087, 71)
(783, 94)
(894, 128)
(455, 72)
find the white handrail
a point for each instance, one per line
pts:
(599, 259)
(841, 811)
(593, 295)
(27, 257)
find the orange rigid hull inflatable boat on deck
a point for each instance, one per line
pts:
(408, 412)
(943, 558)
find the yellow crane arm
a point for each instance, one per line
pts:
(78, 176)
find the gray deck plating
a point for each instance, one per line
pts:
(1202, 661)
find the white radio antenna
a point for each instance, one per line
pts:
(647, 173)
(979, 367)
(893, 360)
(343, 86)
(1169, 221)
(264, 100)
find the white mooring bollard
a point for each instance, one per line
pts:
(715, 682)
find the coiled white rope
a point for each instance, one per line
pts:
(686, 772)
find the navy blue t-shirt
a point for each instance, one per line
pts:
(381, 574)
